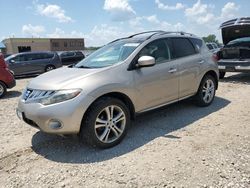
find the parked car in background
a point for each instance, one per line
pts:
(7, 79)
(235, 55)
(213, 47)
(7, 55)
(71, 57)
(33, 62)
(97, 97)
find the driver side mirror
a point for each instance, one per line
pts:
(146, 61)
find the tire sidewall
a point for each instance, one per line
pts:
(88, 126)
(4, 89)
(199, 97)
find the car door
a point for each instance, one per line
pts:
(18, 64)
(189, 62)
(158, 84)
(68, 58)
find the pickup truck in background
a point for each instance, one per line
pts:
(235, 55)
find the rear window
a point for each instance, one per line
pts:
(182, 47)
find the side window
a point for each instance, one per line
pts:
(182, 47)
(79, 53)
(47, 55)
(20, 58)
(69, 54)
(197, 43)
(32, 57)
(157, 49)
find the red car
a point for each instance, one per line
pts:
(7, 79)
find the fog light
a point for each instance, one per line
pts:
(54, 124)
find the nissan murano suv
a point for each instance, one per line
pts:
(98, 97)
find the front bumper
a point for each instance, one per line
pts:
(68, 113)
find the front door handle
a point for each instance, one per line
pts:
(172, 70)
(201, 62)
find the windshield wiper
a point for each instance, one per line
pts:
(84, 67)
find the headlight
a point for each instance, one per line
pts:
(59, 96)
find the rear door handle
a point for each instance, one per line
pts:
(172, 70)
(201, 62)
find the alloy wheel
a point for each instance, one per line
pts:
(208, 91)
(1, 90)
(110, 124)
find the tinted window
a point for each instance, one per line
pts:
(48, 55)
(182, 47)
(197, 42)
(67, 54)
(157, 49)
(79, 53)
(20, 58)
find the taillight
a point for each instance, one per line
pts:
(215, 58)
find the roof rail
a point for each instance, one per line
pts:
(156, 32)
(178, 32)
(131, 36)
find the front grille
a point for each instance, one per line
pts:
(32, 94)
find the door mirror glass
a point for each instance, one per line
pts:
(146, 61)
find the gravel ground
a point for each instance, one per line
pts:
(180, 145)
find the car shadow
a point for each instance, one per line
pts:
(241, 78)
(146, 127)
(12, 94)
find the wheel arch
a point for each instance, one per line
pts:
(122, 97)
(214, 75)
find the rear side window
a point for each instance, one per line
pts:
(197, 43)
(48, 55)
(182, 47)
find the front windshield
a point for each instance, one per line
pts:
(10, 57)
(109, 55)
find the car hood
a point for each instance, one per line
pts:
(234, 32)
(62, 78)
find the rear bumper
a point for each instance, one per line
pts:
(234, 66)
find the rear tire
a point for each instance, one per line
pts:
(206, 91)
(105, 123)
(222, 75)
(49, 68)
(3, 89)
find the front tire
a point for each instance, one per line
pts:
(49, 68)
(206, 91)
(3, 89)
(105, 123)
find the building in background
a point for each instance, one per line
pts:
(18, 45)
(2, 48)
